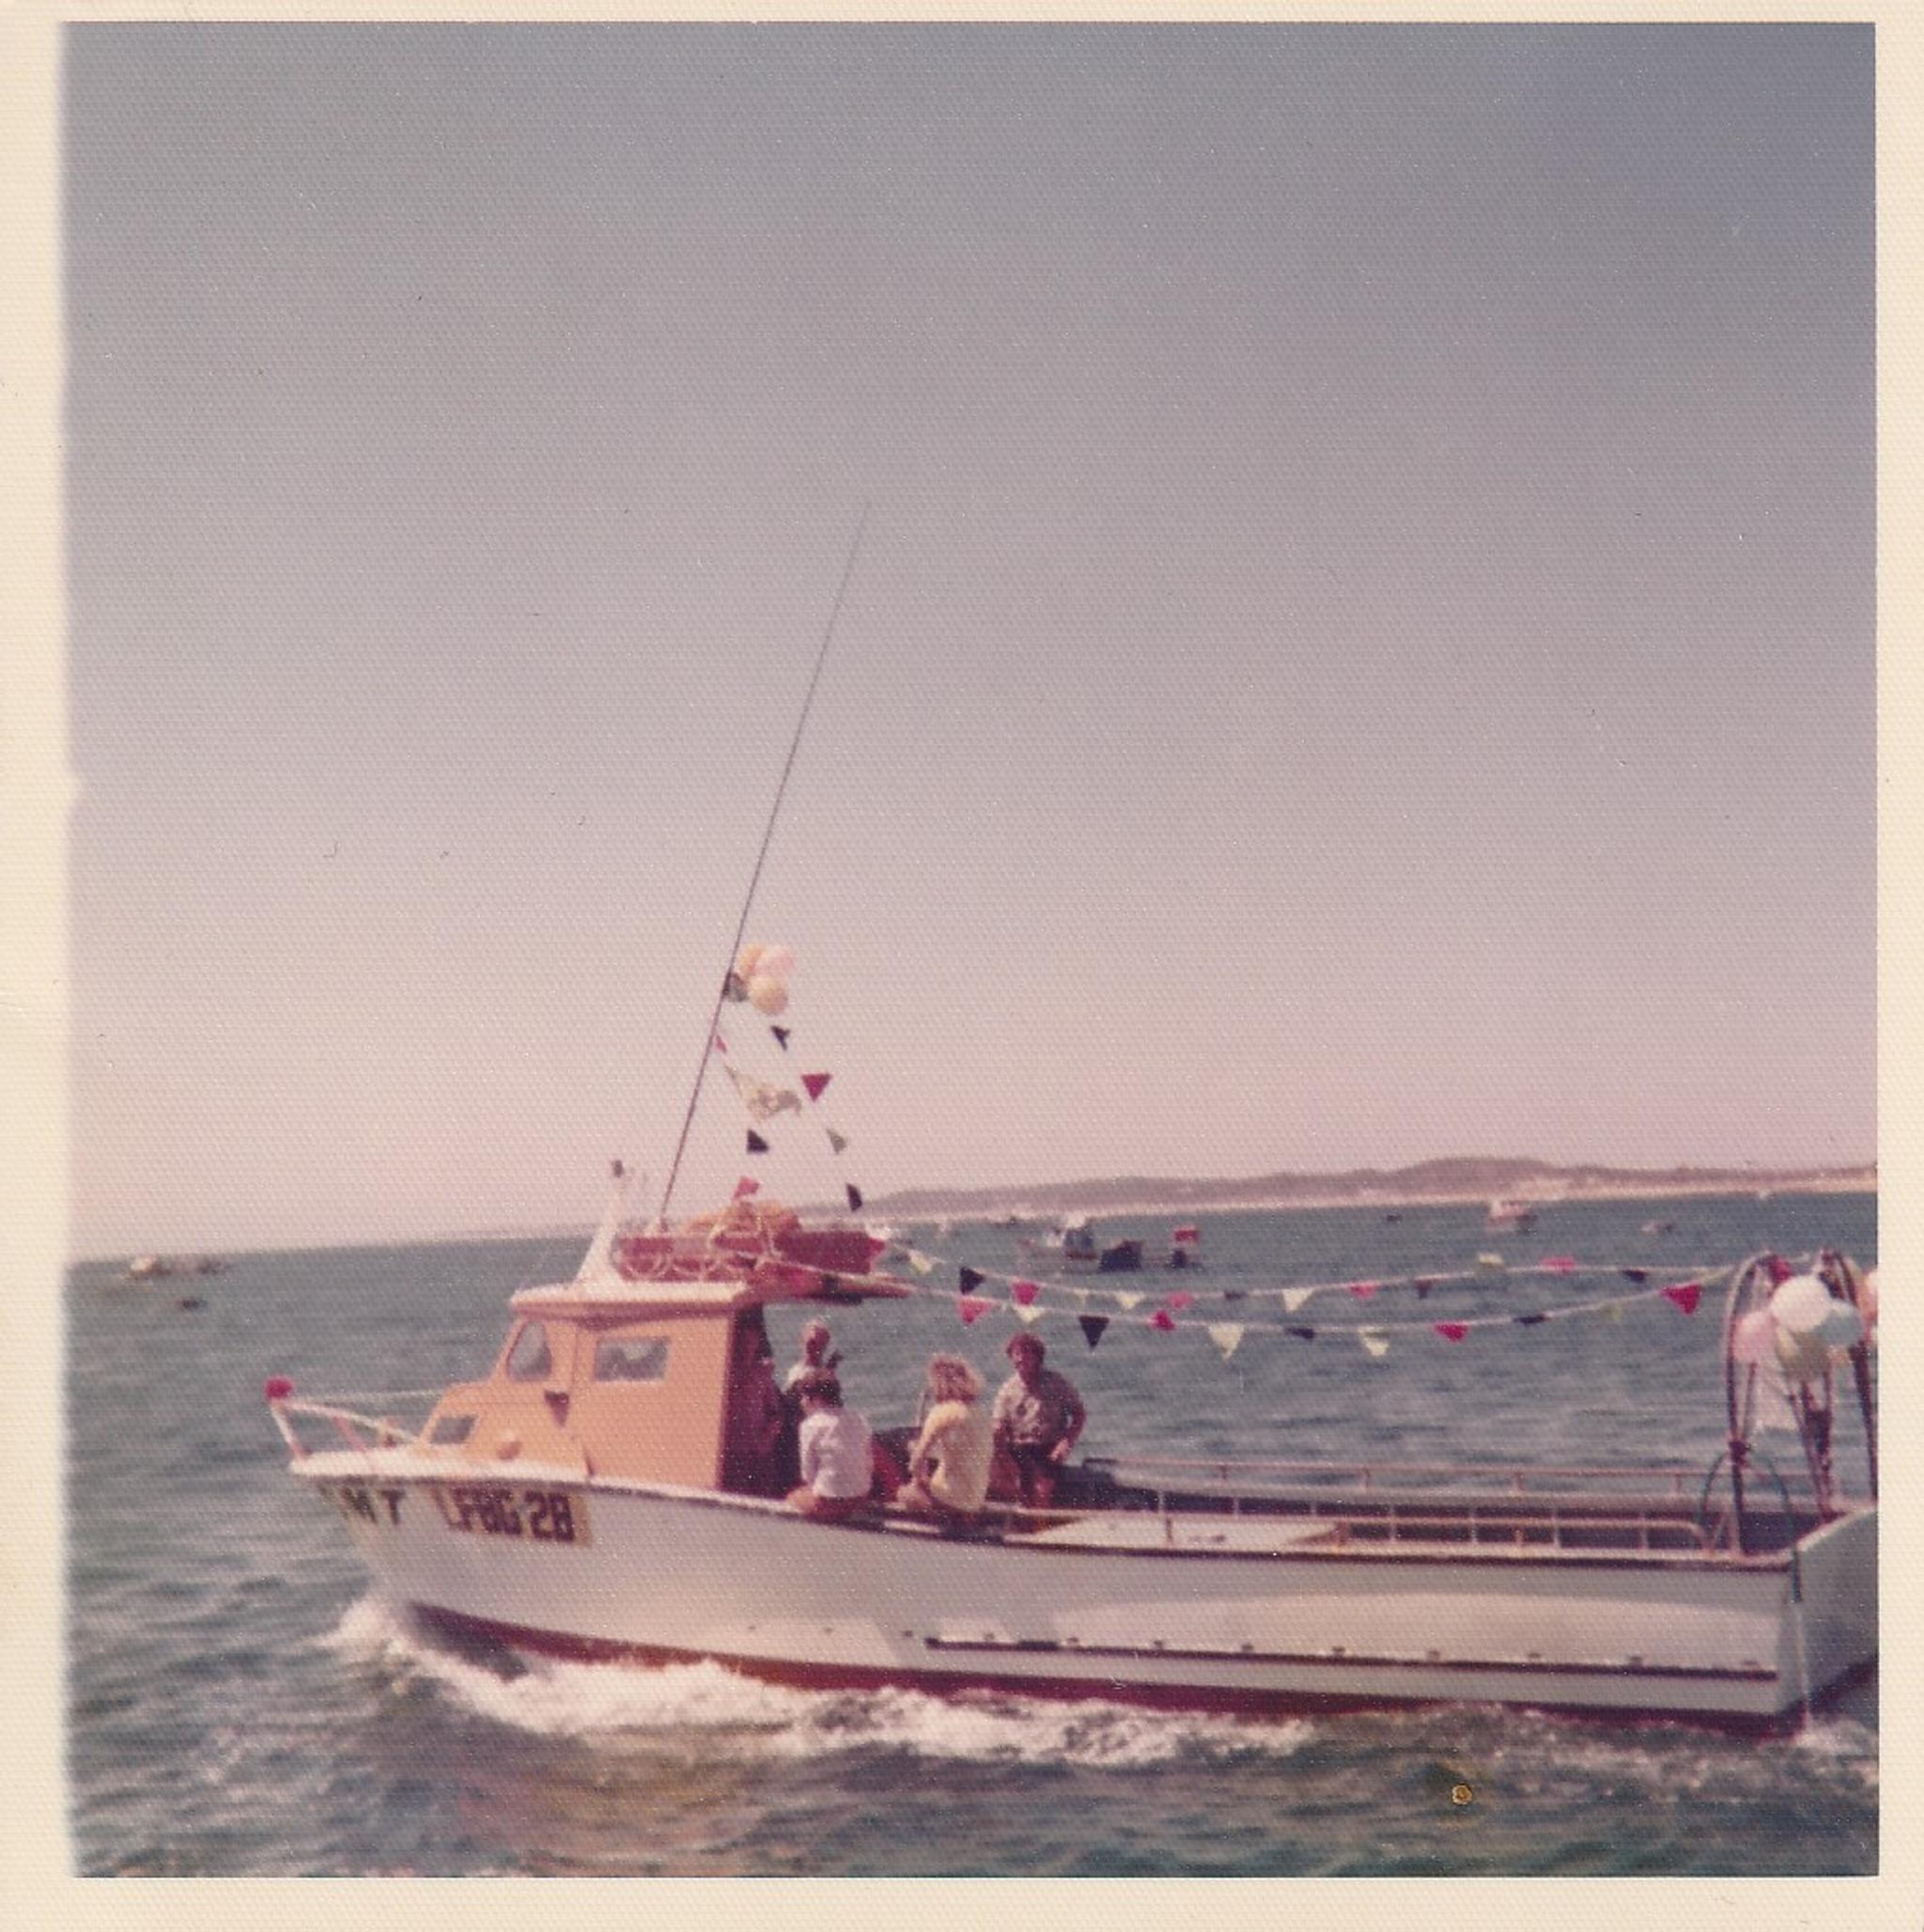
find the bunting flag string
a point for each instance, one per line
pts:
(756, 1144)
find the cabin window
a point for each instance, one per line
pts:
(452, 1429)
(529, 1360)
(632, 1358)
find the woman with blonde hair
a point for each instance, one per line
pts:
(948, 1465)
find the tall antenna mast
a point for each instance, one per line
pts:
(687, 1119)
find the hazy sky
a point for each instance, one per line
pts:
(1363, 646)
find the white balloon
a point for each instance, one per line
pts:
(775, 962)
(1803, 1355)
(1843, 1327)
(766, 995)
(1801, 1303)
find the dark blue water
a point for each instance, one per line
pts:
(240, 1705)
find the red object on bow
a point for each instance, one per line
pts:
(1684, 1295)
(279, 1388)
(1451, 1331)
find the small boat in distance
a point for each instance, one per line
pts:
(1185, 1247)
(1072, 1249)
(1520, 1216)
(149, 1268)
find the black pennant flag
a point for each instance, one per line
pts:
(756, 1144)
(1422, 1285)
(781, 1033)
(1636, 1275)
(1234, 1295)
(1092, 1327)
(1302, 1335)
(1524, 1322)
(854, 1195)
(972, 1279)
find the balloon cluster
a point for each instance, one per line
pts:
(1804, 1327)
(761, 979)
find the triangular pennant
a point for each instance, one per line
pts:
(756, 1144)
(838, 1142)
(1235, 1295)
(1559, 1264)
(1024, 1292)
(972, 1279)
(1524, 1322)
(1092, 1327)
(1294, 1299)
(1494, 1262)
(745, 1187)
(1128, 1301)
(1684, 1295)
(923, 1264)
(720, 1044)
(781, 1033)
(1027, 1317)
(1302, 1335)
(1226, 1334)
(971, 1308)
(1162, 1319)
(854, 1195)
(1451, 1331)
(816, 1084)
(1362, 1290)
(1175, 1304)
(1082, 1295)
(734, 988)
(1374, 1342)
(1422, 1285)
(1615, 1311)
(1634, 1274)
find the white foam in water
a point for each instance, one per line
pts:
(617, 1706)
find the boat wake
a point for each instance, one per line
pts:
(616, 1707)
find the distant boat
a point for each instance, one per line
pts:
(1072, 1249)
(149, 1268)
(1519, 1215)
(1185, 1247)
(1660, 1227)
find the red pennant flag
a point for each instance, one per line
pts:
(816, 1084)
(1685, 1294)
(1559, 1264)
(720, 1044)
(1162, 1319)
(1362, 1290)
(971, 1308)
(1451, 1331)
(745, 1187)
(1780, 1270)
(1179, 1301)
(1025, 1292)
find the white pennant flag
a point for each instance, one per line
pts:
(1374, 1340)
(1124, 1300)
(1294, 1299)
(921, 1263)
(1027, 1317)
(762, 1100)
(1226, 1334)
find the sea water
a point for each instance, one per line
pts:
(241, 1702)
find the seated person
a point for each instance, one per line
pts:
(1038, 1417)
(837, 1452)
(948, 1465)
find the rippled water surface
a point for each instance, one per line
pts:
(239, 1702)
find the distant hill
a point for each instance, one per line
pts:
(1461, 1178)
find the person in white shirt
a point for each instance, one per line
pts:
(837, 1452)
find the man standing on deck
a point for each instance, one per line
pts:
(1038, 1416)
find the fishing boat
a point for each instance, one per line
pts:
(1519, 1217)
(591, 1497)
(1073, 1249)
(582, 1500)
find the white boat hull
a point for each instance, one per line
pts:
(1248, 1613)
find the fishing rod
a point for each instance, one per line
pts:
(755, 878)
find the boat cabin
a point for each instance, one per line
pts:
(655, 1365)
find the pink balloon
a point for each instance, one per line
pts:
(768, 995)
(1753, 1337)
(776, 962)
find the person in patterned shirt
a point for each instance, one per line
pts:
(1038, 1417)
